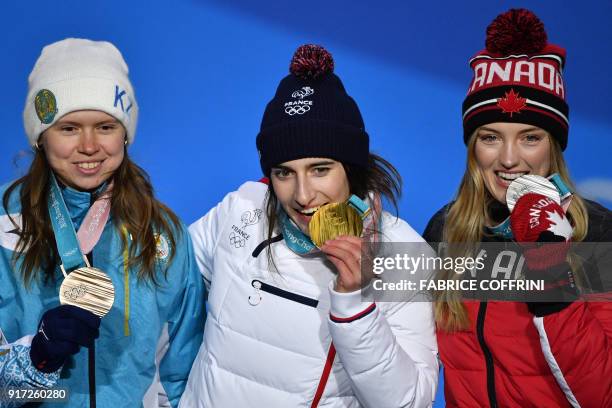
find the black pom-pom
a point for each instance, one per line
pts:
(311, 61)
(517, 31)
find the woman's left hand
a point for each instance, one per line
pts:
(345, 253)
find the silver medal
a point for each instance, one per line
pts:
(530, 183)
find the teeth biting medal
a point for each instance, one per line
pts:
(336, 219)
(530, 183)
(552, 187)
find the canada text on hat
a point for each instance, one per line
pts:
(517, 78)
(538, 71)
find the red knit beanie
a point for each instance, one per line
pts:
(517, 78)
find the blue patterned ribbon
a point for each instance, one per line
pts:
(63, 229)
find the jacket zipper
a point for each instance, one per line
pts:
(256, 298)
(262, 286)
(482, 311)
(92, 350)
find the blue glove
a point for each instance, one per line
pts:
(61, 333)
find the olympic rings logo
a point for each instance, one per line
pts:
(236, 240)
(297, 110)
(75, 292)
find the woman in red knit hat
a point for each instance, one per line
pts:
(555, 349)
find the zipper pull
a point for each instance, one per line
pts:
(255, 298)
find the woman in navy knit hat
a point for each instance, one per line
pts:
(288, 323)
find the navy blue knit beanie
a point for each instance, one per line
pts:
(311, 115)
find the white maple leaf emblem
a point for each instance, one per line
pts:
(559, 225)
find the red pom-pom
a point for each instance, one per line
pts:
(517, 31)
(311, 61)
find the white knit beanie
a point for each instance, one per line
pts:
(76, 74)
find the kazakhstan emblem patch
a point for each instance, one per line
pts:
(162, 249)
(46, 106)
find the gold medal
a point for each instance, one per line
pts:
(88, 288)
(333, 220)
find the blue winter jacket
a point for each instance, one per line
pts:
(150, 337)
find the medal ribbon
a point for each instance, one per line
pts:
(301, 243)
(70, 245)
(296, 240)
(92, 226)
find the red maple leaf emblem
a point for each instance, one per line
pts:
(512, 103)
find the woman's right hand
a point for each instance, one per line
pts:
(345, 253)
(539, 219)
(61, 332)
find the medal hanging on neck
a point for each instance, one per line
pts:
(84, 286)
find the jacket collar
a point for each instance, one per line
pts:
(78, 202)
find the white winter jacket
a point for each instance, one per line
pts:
(286, 338)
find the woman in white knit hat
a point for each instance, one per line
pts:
(83, 229)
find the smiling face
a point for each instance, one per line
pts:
(303, 185)
(506, 151)
(84, 148)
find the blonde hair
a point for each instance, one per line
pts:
(465, 223)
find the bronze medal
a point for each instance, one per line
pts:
(530, 183)
(88, 288)
(333, 220)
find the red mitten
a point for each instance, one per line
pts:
(538, 219)
(541, 227)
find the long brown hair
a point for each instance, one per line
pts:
(135, 212)
(379, 177)
(466, 219)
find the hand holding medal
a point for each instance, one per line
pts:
(336, 229)
(538, 214)
(540, 225)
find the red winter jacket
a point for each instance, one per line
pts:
(510, 358)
